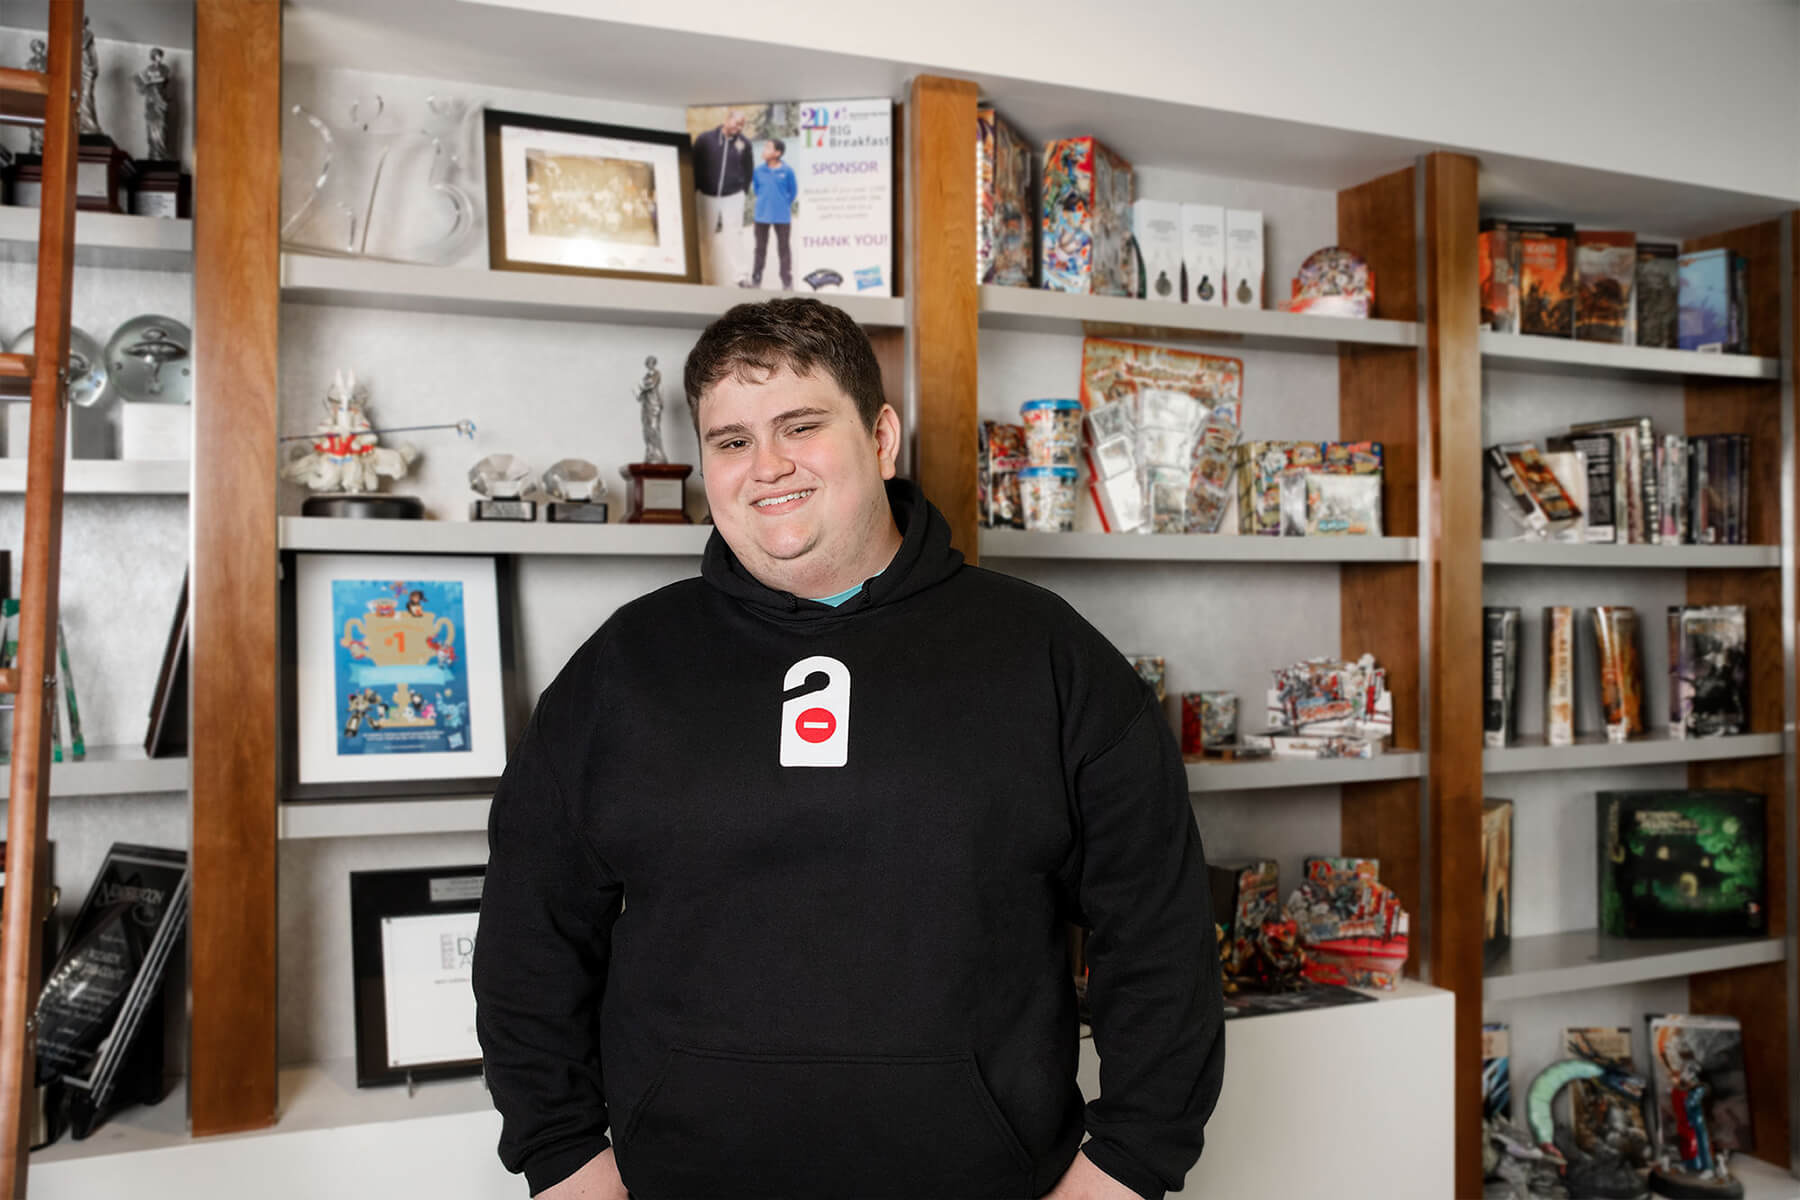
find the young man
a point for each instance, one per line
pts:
(775, 192)
(780, 869)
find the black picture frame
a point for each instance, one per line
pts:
(379, 896)
(502, 257)
(292, 789)
(167, 734)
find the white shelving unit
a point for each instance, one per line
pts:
(362, 283)
(1593, 750)
(1566, 356)
(1614, 557)
(1301, 772)
(490, 537)
(105, 240)
(1586, 958)
(383, 818)
(112, 771)
(1195, 547)
(1036, 310)
(108, 477)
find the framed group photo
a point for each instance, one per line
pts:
(412, 944)
(398, 675)
(586, 199)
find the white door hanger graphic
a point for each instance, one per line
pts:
(815, 725)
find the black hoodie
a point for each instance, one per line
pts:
(776, 893)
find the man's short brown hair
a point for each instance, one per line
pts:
(752, 341)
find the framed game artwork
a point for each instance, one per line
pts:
(398, 675)
(412, 946)
(583, 199)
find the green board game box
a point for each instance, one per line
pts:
(1682, 864)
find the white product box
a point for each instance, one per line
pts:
(158, 431)
(85, 437)
(1156, 224)
(1203, 252)
(1244, 258)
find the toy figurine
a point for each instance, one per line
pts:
(344, 460)
(1689, 1169)
(1609, 1172)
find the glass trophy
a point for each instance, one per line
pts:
(577, 493)
(501, 480)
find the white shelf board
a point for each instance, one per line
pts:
(1207, 776)
(1195, 547)
(1763, 1180)
(1609, 556)
(111, 771)
(1037, 310)
(383, 818)
(1565, 356)
(105, 240)
(1586, 958)
(108, 477)
(365, 283)
(1593, 750)
(491, 537)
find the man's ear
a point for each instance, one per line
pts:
(887, 439)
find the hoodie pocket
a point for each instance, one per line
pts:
(721, 1123)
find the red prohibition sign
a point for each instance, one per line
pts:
(815, 725)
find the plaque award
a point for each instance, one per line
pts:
(578, 495)
(501, 481)
(656, 495)
(109, 977)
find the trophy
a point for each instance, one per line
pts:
(578, 495)
(149, 364)
(161, 189)
(655, 496)
(104, 181)
(344, 459)
(501, 481)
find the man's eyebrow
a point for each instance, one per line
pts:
(791, 414)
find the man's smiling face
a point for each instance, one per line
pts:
(795, 479)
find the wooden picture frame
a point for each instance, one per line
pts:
(412, 942)
(449, 737)
(614, 217)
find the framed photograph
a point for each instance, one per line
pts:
(398, 675)
(585, 199)
(412, 944)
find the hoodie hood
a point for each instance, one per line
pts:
(925, 559)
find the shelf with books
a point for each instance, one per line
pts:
(1039, 310)
(108, 477)
(363, 283)
(1207, 775)
(112, 771)
(1566, 356)
(1609, 556)
(383, 818)
(1545, 964)
(1197, 547)
(105, 239)
(490, 537)
(1593, 750)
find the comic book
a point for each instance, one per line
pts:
(1499, 286)
(1605, 268)
(1709, 670)
(1546, 272)
(1656, 293)
(1598, 1115)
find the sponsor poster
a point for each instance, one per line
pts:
(835, 158)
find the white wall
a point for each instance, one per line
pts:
(1704, 93)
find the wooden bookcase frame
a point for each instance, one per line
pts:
(1421, 619)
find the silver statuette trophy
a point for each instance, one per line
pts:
(656, 494)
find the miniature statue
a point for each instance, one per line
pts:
(90, 75)
(153, 84)
(650, 403)
(1227, 973)
(1689, 1168)
(1279, 960)
(39, 62)
(345, 455)
(1609, 1172)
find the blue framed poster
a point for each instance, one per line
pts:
(398, 674)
